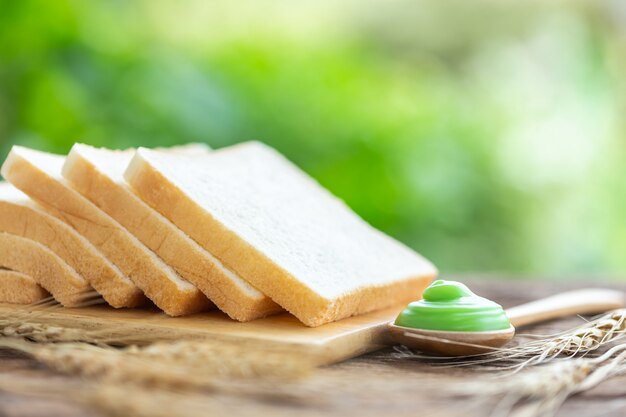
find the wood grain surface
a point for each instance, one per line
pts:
(379, 383)
(330, 343)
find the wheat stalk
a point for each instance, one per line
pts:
(542, 390)
(159, 380)
(184, 364)
(22, 321)
(579, 341)
(43, 333)
(189, 363)
(121, 399)
(582, 340)
(539, 391)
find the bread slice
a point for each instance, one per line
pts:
(98, 175)
(45, 267)
(38, 174)
(20, 216)
(19, 288)
(280, 230)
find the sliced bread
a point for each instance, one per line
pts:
(19, 288)
(38, 174)
(45, 267)
(98, 175)
(19, 215)
(280, 230)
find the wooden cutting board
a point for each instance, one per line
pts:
(328, 344)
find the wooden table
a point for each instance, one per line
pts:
(381, 383)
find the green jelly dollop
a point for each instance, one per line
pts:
(451, 306)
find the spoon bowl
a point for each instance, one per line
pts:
(459, 343)
(449, 343)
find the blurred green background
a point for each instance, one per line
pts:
(488, 135)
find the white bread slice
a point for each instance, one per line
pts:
(19, 288)
(45, 267)
(38, 174)
(280, 230)
(98, 175)
(20, 216)
(193, 148)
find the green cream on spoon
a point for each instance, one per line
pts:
(453, 321)
(451, 306)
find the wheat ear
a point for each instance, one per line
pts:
(542, 390)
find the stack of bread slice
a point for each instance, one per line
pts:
(240, 229)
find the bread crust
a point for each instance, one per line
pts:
(307, 305)
(147, 271)
(19, 288)
(45, 267)
(26, 219)
(171, 244)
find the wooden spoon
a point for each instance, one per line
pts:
(585, 301)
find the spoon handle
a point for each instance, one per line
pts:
(585, 301)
